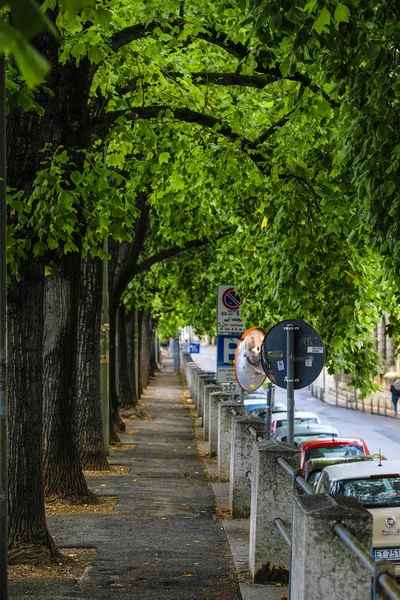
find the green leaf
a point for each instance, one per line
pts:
(324, 18)
(311, 6)
(39, 249)
(102, 17)
(32, 65)
(76, 177)
(164, 157)
(342, 13)
(95, 55)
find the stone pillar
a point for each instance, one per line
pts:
(208, 388)
(322, 565)
(271, 498)
(196, 374)
(214, 399)
(241, 464)
(225, 420)
(204, 379)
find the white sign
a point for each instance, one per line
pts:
(228, 310)
(226, 377)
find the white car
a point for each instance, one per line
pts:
(280, 419)
(376, 485)
(306, 431)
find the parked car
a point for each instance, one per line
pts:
(280, 419)
(376, 485)
(260, 411)
(257, 399)
(308, 431)
(332, 448)
(315, 466)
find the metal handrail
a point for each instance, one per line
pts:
(280, 525)
(259, 437)
(384, 579)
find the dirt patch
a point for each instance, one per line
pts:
(222, 512)
(71, 566)
(106, 505)
(120, 446)
(114, 470)
(137, 413)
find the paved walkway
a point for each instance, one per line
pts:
(165, 541)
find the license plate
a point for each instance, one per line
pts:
(387, 553)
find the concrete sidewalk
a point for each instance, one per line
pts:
(165, 541)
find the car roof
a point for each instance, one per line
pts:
(308, 427)
(339, 441)
(363, 469)
(322, 463)
(297, 415)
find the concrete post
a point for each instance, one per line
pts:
(225, 420)
(241, 464)
(204, 379)
(322, 565)
(189, 378)
(214, 399)
(271, 498)
(208, 388)
(196, 374)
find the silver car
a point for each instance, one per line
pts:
(304, 432)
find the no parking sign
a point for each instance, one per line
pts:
(228, 310)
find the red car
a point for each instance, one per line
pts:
(332, 448)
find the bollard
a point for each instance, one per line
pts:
(214, 399)
(208, 387)
(201, 381)
(271, 498)
(322, 565)
(225, 421)
(241, 464)
(196, 371)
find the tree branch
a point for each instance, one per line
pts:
(220, 39)
(205, 78)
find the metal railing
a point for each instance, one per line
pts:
(376, 406)
(377, 568)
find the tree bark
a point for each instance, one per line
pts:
(125, 391)
(131, 356)
(89, 422)
(63, 476)
(145, 348)
(28, 535)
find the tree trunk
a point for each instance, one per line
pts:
(145, 343)
(115, 419)
(29, 538)
(88, 418)
(131, 354)
(125, 392)
(63, 475)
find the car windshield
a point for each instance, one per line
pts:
(303, 437)
(372, 492)
(283, 422)
(334, 451)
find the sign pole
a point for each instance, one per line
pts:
(290, 382)
(3, 339)
(241, 396)
(268, 416)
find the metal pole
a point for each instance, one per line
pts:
(241, 400)
(3, 340)
(290, 382)
(105, 355)
(268, 416)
